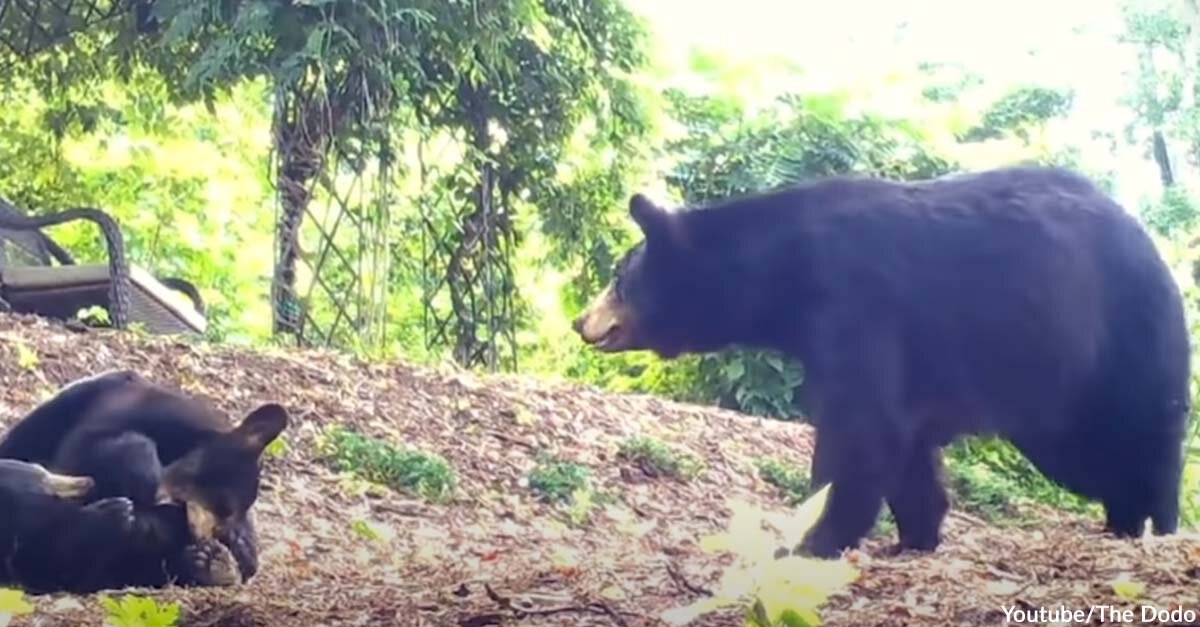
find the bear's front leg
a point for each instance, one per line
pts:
(858, 471)
(856, 378)
(207, 563)
(125, 464)
(242, 539)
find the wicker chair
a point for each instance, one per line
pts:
(31, 283)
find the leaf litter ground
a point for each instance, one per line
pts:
(496, 555)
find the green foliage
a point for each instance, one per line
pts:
(761, 383)
(186, 188)
(656, 458)
(1019, 110)
(540, 94)
(566, 484)
(990, 478)
(1155, 26)
(1175, 213)
(371, 531)
(794, 482)
(987, 477)
(946, 83)
(95, 316)
(137, 611)
(278, 448)
(559, 481)
(424, 474)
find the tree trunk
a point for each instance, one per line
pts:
(302, 126)
(1163, 160)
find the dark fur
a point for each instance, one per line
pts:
(1020, 301)
(161, 449)
(50, 540)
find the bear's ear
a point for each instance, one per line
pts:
(658, 224)
(261, 427)
(652, 219)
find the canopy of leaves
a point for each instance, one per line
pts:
(1021, 108)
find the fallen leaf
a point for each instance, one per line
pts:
(1126, 588)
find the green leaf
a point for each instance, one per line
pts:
(735, 370)
(136, 611)
(800, 618)
(277, 448)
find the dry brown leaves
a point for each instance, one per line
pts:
(495, 555)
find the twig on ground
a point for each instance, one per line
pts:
(686, 585)
(595, 607)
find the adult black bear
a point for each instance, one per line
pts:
(50, 540)
(1020, 301)
(192, 478)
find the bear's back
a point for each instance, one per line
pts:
(1011, 290)
(174, 422)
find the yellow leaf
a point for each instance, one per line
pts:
(1126, 588)
(808, 513)
(737, 583)
(777, 597)
(13, 603)
(613, 593)
(716, 543)
(525, 418)
(27, 358)
(786, 590)
(745, 536)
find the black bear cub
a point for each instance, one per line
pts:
(1020, 301)
(191, 477)
(50, 540)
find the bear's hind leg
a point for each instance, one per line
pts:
(1147, 488)
(77, 552)
(20, 477)
(918, 500)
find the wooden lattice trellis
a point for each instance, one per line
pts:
(467, 245)
(342, 293)
(332, 250)
(332, 257)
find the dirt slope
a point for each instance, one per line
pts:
(495, 548)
